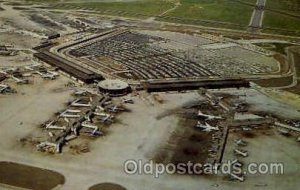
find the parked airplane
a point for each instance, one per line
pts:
(100, 108)
(115, 109)
(107, 119)
(31, 67)
(49, 75)
(51, 125)
(20, 81)
(208, 117)
(95, 132)
(241, 152)
(80, 92)
(86, 124)
(70, 114)
(52, 73)
(76, 103)
(104, 117)
(206, 127)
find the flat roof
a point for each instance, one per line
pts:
(113, 84)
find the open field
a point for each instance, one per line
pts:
(138, 9)
(280, 17)
(220, 11)
(283, 23)
(286, 6)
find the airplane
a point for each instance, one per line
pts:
(70, 137)
(55, 74)
(84, 124)
(236, 177)
(47, 75)
(104, 117)
(51, 125)
(241, 153)
(26, 75)
(29, 68)
(206, 127)
(208, 117)
(100, 108)
(70, 114)
(76, 103)
(20, 81)
(115, 109)
(95, 129)
(107, 118)
(240, 142)
(95, 132)
(80, 92)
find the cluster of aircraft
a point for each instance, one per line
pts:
(21, 77)
(82, 119)
(241, 153)
(99, 112)
(206, 126)
(239, 142)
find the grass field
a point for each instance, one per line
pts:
(216, 10)
(289, 6)
(145, 8)
(280, 21)
(234, 14)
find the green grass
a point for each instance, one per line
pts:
(283, 22)
(218, 10)
(134, 8)
(233, 14)
(290, 6)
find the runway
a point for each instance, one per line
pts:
(258, 14)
